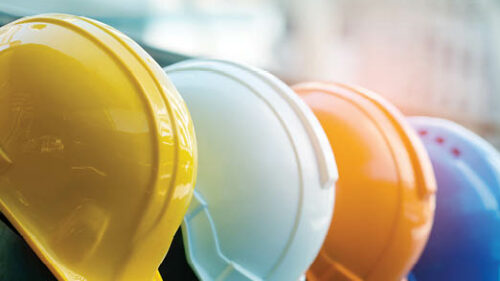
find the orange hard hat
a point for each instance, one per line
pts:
(385, 194)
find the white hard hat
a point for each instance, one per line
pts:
(265, 187)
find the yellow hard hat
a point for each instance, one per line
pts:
(385, 194)
(97, 149)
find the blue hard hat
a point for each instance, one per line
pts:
(465, 240)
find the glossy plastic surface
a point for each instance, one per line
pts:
(465, 239)
(385, 193)
(98, 151)
(265, 188)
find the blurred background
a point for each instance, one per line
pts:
(428, 57)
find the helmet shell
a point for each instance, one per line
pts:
(463, 244)
(385, 193)
(265, 188)
(97, 150)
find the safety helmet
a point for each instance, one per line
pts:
(97, 150)
(385, 193)
(464, 241)
(265, 187)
